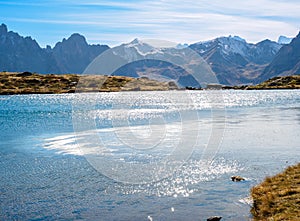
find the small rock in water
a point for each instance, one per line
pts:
(237, 178)
(214, 218)
(24, 74)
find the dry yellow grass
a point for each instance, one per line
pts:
(286, 82)
(278, 197)
(18, 83)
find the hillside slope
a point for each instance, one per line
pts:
(286, 62)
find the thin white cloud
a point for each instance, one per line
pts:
(192, 25)
(185, 21)
(246, 7)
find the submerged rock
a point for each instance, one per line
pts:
(214, 218)
(237, 178)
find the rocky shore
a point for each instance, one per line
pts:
(278, 197)
(32, 83)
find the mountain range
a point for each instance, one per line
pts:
(233, 60)
(19, 54)
(286, 62)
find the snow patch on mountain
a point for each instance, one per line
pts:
(233, 45)
(141, 48)
(228, 45)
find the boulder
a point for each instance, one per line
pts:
(24, 74)
(237, 178)
(214, 218)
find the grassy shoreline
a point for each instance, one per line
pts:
(32, 83)
(284, 82)
(278, 197)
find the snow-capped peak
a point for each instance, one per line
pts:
(134, 43)
(284, 40)
(237, 38)
(180, 46)
(234, 45)
(140, 47)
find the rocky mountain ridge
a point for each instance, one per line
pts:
(231, 59)
(234, 60)
(74, 54)
(19, 53)
(286, 62)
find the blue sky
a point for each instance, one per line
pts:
(113, 22)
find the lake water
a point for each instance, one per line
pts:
(142, 155)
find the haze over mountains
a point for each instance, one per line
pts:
(233, 60)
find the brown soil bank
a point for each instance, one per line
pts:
(278, 197)
(32, 83)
